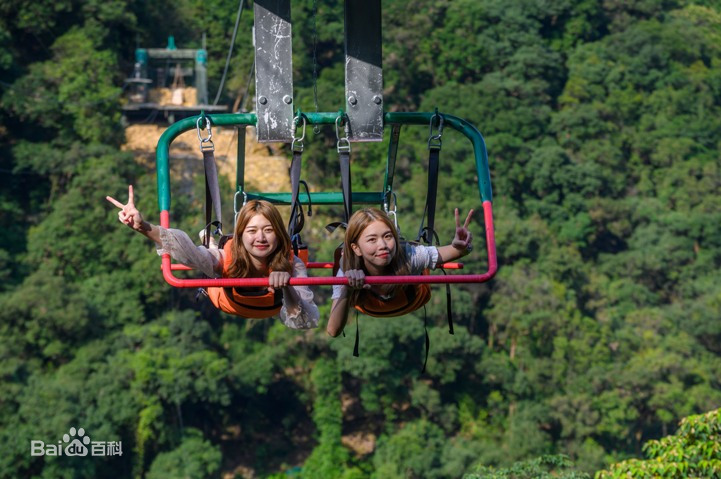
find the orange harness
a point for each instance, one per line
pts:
(240, 301)
(407, 300)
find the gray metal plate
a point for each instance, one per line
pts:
(364, 70)
(273, 70)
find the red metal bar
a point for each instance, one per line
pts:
(316, 265)
(321, 265)
(435, 279)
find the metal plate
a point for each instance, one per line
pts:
(363, 69)
(273, 70)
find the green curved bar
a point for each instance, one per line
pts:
(403, 118)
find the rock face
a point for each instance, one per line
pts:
(264, 170)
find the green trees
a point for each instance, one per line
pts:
(544, 467)
(329, 458)
(694, 451)
(599, 332)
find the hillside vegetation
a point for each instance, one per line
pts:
(599, 333)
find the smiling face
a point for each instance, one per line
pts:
(259, 239)
(376, 245)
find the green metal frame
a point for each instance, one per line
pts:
(326, 198)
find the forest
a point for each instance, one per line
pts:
(594, 352)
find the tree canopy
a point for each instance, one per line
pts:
(598, 335)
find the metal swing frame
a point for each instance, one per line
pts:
(393, 119)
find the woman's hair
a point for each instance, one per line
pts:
(359, 222)
(278, 260)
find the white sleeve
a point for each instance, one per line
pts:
(305, 315)
(339, 290)
(421, 257)
(181, 248)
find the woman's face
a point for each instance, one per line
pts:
(376, 245)
(259, 238)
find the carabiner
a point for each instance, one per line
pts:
(208, 140)
(297, 144)
(392, 212)
(434, 141)
(343, 144)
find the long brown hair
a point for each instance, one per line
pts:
(359, 222)
(278, 260)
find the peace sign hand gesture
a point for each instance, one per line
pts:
(129, 214)
(463, 238)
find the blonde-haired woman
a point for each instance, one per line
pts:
(372, 247)
(260, 248)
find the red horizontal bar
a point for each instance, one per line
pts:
(315, 265)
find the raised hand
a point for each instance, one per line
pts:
(463, 238)
(128, 214)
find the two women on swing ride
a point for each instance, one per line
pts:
(371, 247)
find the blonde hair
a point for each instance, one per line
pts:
(357, 224)
(278, 260)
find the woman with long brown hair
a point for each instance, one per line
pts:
(260, 248)
(372, 247)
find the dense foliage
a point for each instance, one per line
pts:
(694, 451)
(599, 333)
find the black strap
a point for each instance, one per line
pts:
(240, 169)
(212, 195)
(449, 306)
(296, 213)
(430, 209)
(307, 193)
(344, 157)
(391, 161)
(357, 335)
(428, 340)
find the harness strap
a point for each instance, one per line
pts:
(296, 222)
(357, 335)
(426, 234)
(449, 306)
(295, 240)
(212, 196)
(344, 157)
(295, 225)
(240, 168)
(428, 340)
(391, 161)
